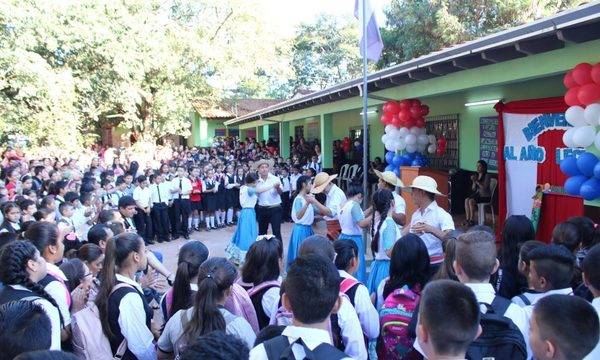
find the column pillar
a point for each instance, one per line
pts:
(326, 125)
(284, 140)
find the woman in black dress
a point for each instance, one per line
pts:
(481, 192)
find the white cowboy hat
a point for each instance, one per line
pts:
(390, 178)
(321, 181)
(261, 162)
(425, 183)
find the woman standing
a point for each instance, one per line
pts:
(352, 221)
(247, 230)
(481, 193)
(303, 214)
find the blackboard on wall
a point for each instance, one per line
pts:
(488, 141)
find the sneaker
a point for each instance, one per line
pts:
(197, 228)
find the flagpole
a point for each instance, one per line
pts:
(365, 136)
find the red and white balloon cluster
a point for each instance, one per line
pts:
(583, 98)
(405, 127)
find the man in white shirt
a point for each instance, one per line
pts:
(143, 220)
(268, 189)
(160, 195)
(181, 190)
(333, 205)
(430, 222)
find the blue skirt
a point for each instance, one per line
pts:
(380, 269)
(245, 235)
(361, 272)
(299, 233)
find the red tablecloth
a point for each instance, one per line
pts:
(557, 208)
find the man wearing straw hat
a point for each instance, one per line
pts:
(429, 221)
(389, 181)
(268, 189)
(334, 203)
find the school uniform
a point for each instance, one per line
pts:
(349, 216)
(286, 188)
(361, 300)
(196, 198)
(294, 181)
(311, 338)
(236, 191)
(114, 198)
(302, 227)
(11, 227)
(128, 312)
(181, 205)
(129, 223)
(143, 221)
(220, 196)
(54, 283)
(229, 183)
(269, 206)
(380, 268)
(335, 201)
(208, 197)
(438, 218)
(246, 231)
(595, 354)
(159, 194)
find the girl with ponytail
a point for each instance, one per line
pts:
(21, 267)
(120, 301)
(215, 279)
(181, 295)
(384, 233)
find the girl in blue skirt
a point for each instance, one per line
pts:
(385, 233)
(352, 220)
(303, 214)
(247, 230)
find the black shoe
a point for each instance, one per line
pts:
(208, 229)
(160, 240)
(186, 236)
(175, 237)
(197, 228)
(150, 242)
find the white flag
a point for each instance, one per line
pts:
(374, 42)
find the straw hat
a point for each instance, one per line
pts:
(390, 178)
(261, 162)
(321, 181)
(425, 183)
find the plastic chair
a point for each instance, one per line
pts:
(481, 206)
(351, 174)
(342, 175)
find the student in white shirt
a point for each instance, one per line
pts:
(528, 294)
(352, 221)
(21, 268)
(286, 188)
(429, 221)
(269, 191)
(246, 231)
(388, 180)
(118, 193)
(181, 190)
(334, 203)
(215, 279)
(591, 277)
(160, 194)
(124, 313)
(143, 200)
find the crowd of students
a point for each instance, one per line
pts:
(77, 275)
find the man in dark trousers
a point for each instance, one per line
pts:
(269, 191)
(160, 194)
(181, 188)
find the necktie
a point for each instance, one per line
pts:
(180, 187)
(158, 189)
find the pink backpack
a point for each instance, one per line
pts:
(239, 303)
(394, 341)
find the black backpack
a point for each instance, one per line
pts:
(500, 338)
(280, 348)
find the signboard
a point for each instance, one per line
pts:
(488, 141)
(220, 132)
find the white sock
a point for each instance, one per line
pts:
(190, 222)
(212, 221)
(229, 215)
(197, 221)
(207, 220)
(237, 215)
(222, 217)
(218, 216)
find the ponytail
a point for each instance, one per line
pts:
(215, 277)
(346, 250)
(382, 200)
(191, 256)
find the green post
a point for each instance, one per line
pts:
(327, 141)
(265, 132)
(284, 140)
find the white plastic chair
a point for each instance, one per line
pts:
(481, 206)
(342, 175)
(351, 174)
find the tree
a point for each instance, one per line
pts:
(326, 53)
(417, 27)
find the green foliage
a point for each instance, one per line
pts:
(418, 27)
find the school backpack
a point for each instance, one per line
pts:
(256, 294)
(395, 341)
(500, 339)
(239, 303)
(280, 348)
(88, 339)
(349, 286)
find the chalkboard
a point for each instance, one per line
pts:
(488, 141)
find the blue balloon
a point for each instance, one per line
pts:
(408, 158)
(590, 190)
(398, 160)
(586, 163)
(416, 162)
(569, 166)
(597, 170)
(389, 157)
(425, 161)
(397, 172)
(573, 184)
(390, 168)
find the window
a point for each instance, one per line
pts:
(446, 126)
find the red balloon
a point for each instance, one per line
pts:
(415, 103)
(404, 115)
(386, 106)
(386, 118)
(420, 123)
(396, 121)
(442, 142)
(410, 123)
(347, 148)
(415, 112)
(589, 94)
(394, 107)
(571, 97)
(424, 110)
(582, 73)
(569, 81)
(596, 73)
(440, 151)
(405, 104)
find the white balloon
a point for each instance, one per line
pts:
(384, 138)
(403, 131)
(597, 141)
(592, 114)
(389, 145)
(568, 138)
(389, 128)
(431, 149)
(584, 136)
(422, 148)
(393, 133)
(401, 144)
(574, 115)
(415, 130)
(411, 148)
(423, 139)
(410, 139)
(432, 139)
(422, 131)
